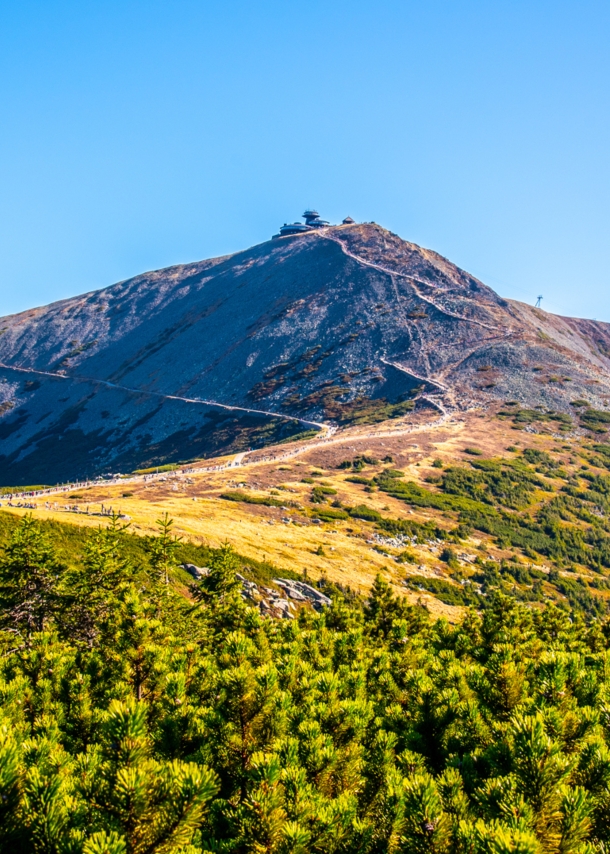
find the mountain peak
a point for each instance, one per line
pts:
(328, 325)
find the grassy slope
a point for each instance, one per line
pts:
(70, 540)
(273, 519)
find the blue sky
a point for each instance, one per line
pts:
(136, 135)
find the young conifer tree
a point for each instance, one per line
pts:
(90, 591)
(163, 550)
(29, 576)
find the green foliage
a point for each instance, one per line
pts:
(29, 571)
(365, 411)
(368, 514)
(520, 503)
(319, 494)
(491, 482)
(72, 544)
(246, 498)
(595, 419)
(134, 720)
(418, 496)
(164, 468)
(300, 437)
(419, 531)
(163, 549)
(359, 462)
(330, 514)
(365, 481)
(406, 556)
(534, 456)
(449, 556)
(446, 591)
(531, 416)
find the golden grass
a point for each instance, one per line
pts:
(256, 531)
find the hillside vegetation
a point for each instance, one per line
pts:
(138, 718)
(450, 520)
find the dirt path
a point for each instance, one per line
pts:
(195, 400)
(414, 281)
(501, 334)
(242, 460)
(349, 436)
(399, 367)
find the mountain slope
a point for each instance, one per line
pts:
(315, 327)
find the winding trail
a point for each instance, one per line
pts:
(411, 373)
(413, 279)
(241, 460)
(500, 334)
(328, 428)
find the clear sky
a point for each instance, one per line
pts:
(135, 134)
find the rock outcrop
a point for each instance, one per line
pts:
(271, 602)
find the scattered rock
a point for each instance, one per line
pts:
(300, 591)
(197, 572)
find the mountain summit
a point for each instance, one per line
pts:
(331, 324)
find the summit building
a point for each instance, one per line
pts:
(312, 220)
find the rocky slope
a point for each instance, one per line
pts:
(344, 323)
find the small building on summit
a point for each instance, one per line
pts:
(292, 228)
(312, 221)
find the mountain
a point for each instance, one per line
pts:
(334, 325)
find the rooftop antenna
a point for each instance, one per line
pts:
(538, 302)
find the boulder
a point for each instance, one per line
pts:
(300, 591)
(198, 572)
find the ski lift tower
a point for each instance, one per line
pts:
(539, 302)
